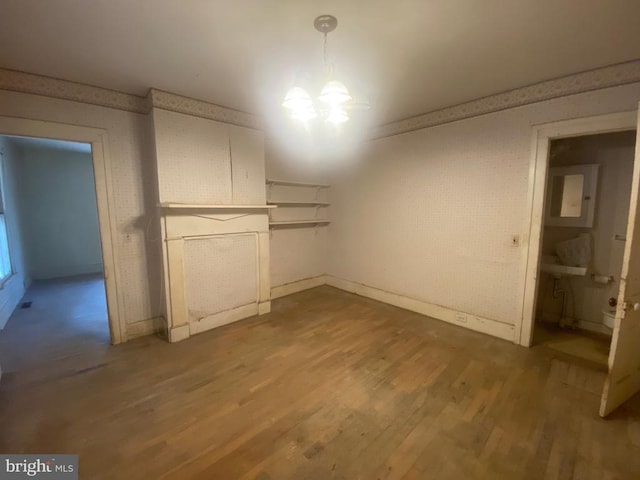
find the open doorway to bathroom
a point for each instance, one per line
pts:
(54, 254)
(583, 239)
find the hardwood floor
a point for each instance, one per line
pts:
(327, 386)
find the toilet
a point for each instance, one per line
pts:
(609, 317)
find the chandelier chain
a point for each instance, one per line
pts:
(325, 50)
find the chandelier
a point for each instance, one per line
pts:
(334, 99)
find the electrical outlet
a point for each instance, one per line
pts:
(515, 240)
(461, 318)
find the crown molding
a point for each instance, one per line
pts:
(198, 108)
(23, 82)
(614, 75)
(620, 74)
(15, 81)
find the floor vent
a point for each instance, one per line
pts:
(25, 305)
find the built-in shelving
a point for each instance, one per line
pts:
(287, 183)
(307, 195)
(298, 222)
(201, 206)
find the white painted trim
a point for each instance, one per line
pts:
(473, 322)
(165, 278)
(149, 326)
(104, 195)
(13, 290)
(264, 307)
(611, 76)
(202, 206)
(298, 286)
(605, 77)
(198, 108)
(177, 334)
(223, 318)
(181, 226)
(30, 83)
(541, 137)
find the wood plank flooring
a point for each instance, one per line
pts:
(328, 386)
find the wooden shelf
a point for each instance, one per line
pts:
(298, 222)
(318, 202)
(202, 206)
(287, 183)
(293, 203)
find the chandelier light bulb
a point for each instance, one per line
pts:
(304, 114)
(297, 99)
(337, 115)
(334, 93)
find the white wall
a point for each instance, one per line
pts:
(59, 213)
(298, 253)
(130, 149)
(614, 153)
(430, 214)
(12, 291)
(427, 215)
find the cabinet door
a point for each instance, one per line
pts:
(192, 159)
(247, 166)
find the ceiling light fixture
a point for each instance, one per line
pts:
(334, 99)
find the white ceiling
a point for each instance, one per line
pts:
(406, 57)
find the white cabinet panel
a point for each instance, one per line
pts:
(193, 155)
(247, 163)
(220, 273)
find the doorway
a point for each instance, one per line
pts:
(623, 364)
(584, 232)
(98, 141)
(51, 247)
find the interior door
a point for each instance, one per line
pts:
(623, 379)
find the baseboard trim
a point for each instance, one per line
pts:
(72, 271)
(298, 286)
(473, 322)
(264, 307)
(146, 327)
(177, 334)
(223, 318)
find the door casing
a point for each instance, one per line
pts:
(98, 138)
(541, 137)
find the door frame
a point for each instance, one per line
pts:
(541, 137)
(99, 140)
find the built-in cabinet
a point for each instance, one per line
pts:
(299, 204)
(213, 220)
(204, 162)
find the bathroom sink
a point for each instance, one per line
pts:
(552, 266)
